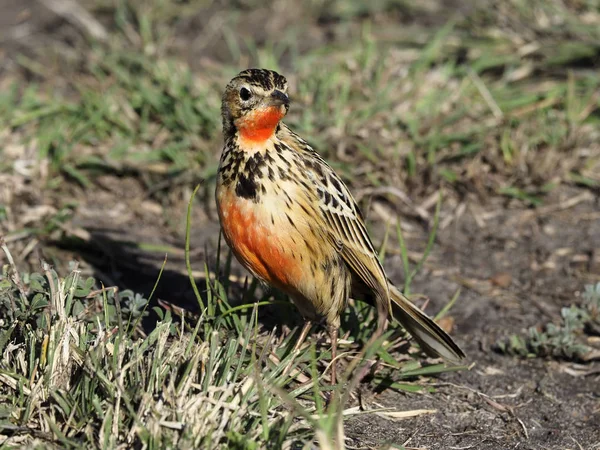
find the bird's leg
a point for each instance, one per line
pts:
(333, 336)
(305, 329)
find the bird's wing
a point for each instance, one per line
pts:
(347, 230)
(343, 221)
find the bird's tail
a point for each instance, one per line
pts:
(426, 332)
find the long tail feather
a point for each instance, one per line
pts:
(426, 332)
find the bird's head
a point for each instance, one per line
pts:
(253, 104)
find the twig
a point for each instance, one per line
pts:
(486, 94)
(578, 444)
(522, 425)
(75, 14)
(549, 209)
(423, 214)
(15, 273)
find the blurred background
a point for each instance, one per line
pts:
(110, 115)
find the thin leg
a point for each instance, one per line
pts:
(333, 335)
(305, 329)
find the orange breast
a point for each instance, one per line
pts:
(256, 243)
(259, 125)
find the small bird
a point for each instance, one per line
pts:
(293, 223)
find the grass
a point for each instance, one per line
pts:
(134, 107)
(501, 102)
(566, 340)
(140, 102)
(78, 378)
(78, 370)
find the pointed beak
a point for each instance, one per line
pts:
(278, 98)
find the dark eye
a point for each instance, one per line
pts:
(245, 94)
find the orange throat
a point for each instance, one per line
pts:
(259, 125)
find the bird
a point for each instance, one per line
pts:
(292, 222)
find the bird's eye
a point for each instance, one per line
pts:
(245, 94)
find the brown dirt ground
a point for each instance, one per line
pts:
(516, 266)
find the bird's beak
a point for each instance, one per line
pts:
(278, 98)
